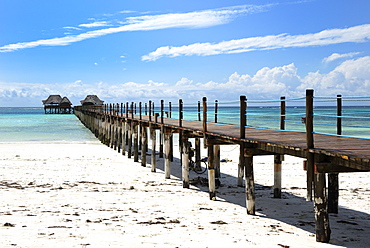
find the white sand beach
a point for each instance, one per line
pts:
(88, 195)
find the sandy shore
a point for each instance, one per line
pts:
(88, 195)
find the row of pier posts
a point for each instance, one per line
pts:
(128, 136)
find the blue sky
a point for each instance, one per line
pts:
(140, 50)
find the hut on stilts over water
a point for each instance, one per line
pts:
(55, 104)
(92, 100)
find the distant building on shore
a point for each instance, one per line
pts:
(92, 100)
(55, 104)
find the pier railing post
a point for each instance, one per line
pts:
(180, 112)
(243, 116)
(310, 143)
(339, 113)
(126, 109)
(140, 108)
(282, 112)
(150, 110)
(162, 110)
(216, 110)
(199, 111)
(170, 110)
(204, 115)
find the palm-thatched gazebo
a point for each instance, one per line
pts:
(55, 104)
(92, 100)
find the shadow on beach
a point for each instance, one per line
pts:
(290, 209)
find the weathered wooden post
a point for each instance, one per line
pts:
(161, 141)
(321, 209)
(124, 134)
(277, 175)
(310, 143)
(129, 138)
(153, 136)
(217, 154)
(127, 110)
(211, 172)
(162, 110)
(140, 109)
(180, 112)
(185, 160)
(170, 109)
(216, 110)
(199, 119)
(111, 131)
(243, 121)
(150, 110)
(249, 182)
(144, 144)
(119, 134)
(204, 116)
(136, 142)
(197, 154)
(167, 139)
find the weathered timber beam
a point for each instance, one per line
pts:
(334, 168)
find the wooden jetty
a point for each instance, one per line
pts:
(121, 127)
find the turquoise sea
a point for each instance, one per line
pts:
(32, 125)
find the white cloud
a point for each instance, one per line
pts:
(197, 19)
(336, 56)
(95, 24)
(74, 28)
(352, 77)
(184, 81)
(354, 34)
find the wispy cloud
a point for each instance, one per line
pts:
(197, 19)
(355, 34)
(336, 56)
(95, 24)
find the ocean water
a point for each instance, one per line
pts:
(32, 125)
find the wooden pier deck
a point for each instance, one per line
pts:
(324, 154)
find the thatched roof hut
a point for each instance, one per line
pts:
(92, 100)
(55, 104)
(65, 102)
(52, 100)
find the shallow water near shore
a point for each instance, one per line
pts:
(32, 125)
